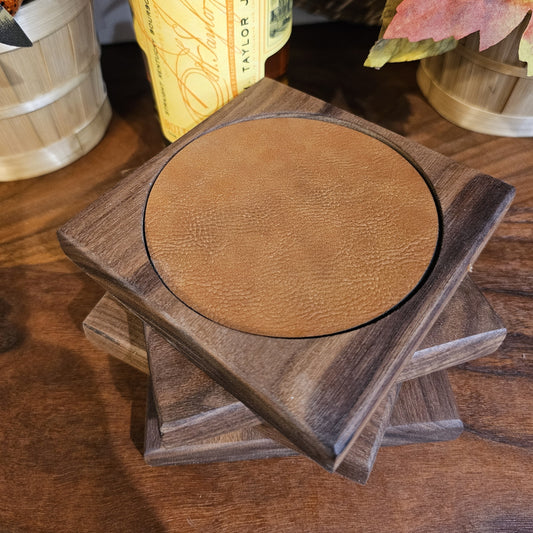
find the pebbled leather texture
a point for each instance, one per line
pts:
(290, 227)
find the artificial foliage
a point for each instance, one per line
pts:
(413, 29)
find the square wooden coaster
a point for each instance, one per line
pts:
(318, 391)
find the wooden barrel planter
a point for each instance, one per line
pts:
(53, 102)
(487, 92)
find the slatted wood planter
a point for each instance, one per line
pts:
(53, 102)
(488, 92)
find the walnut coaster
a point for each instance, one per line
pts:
(318, 387)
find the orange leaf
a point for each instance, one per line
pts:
(11, 5)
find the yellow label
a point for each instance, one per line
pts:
(202, 53)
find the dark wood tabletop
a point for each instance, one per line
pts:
(71, 430)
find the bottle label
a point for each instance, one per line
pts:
(203, 53)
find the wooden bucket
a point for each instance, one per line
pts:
(488, 92)
(53, 102)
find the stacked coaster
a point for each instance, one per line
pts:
(294, 280)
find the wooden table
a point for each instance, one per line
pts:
(72, 419)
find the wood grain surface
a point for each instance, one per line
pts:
(72, 420)
(425, 411)
(115, 330)
(189, 404)
(318, 392)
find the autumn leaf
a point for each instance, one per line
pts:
(397, 50)
(417, 20)
(401, 49)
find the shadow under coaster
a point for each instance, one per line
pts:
(308, 320)
(204, 423)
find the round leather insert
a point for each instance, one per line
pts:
(290, 227)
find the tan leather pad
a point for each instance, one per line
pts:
(290, 227)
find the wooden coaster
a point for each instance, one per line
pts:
(193, 407)
(318, 392)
